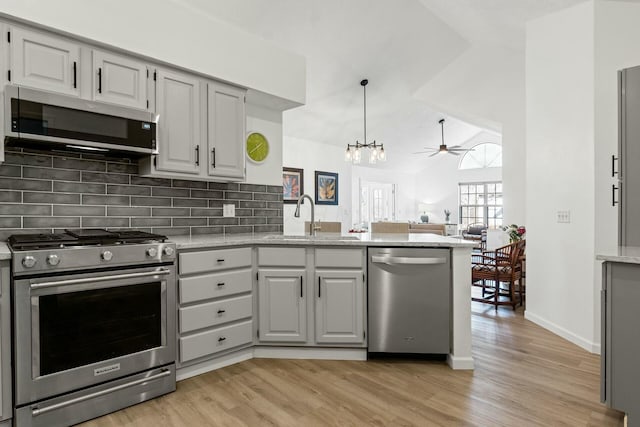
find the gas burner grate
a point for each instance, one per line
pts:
(81, 237)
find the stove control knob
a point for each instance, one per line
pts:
(106, 255)
(53, 259)
(152, 252)
(28, 261)
(168, 250)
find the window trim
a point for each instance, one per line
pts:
(481, 167)
(485, 207)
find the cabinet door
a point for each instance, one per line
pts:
(44, 62)
(282, 306)
(119, 80)
(178, 105)
(226, 124)
(339, 307)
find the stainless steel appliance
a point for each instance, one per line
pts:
(409, 297)
(94, 323)
(40, 119)
(6, 407)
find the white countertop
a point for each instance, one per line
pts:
(626, 254)
(322, 239)
(5, 253)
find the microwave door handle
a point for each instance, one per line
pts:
(44, 285)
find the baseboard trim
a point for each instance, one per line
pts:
(460, 363)
(265, 352)
(212, 365)
(590, 346)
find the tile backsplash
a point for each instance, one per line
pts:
(41, 191)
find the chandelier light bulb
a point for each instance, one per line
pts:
(348, 155)
(357, 156)
(382, 156)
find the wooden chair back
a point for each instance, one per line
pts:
(325, 227)
(390, 227)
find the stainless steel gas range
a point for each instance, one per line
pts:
(94, 323)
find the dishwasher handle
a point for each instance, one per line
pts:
(398, 260)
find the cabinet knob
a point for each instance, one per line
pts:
(221, 339)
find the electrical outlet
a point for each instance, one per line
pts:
(228, 211)
(564, 216)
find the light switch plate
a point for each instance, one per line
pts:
(228, 211)
(564, 216)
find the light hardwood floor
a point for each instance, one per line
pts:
(524, 376)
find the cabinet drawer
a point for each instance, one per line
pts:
(289, 257)
(214, 341)
(339, 258)
(214, 285)
(215, 313)
(220, 259)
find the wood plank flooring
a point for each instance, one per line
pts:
(525, 376)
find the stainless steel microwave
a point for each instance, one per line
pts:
(44, 119)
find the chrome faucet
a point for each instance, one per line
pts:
(312, 226)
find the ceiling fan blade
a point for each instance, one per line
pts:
(421, 152)
(453, 153)
(459, 150)
(455, 147)
(435, 154)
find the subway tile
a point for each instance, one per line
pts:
(25, 184)
(266, 212)
(171, 212)
(25, 210)
(108, 157)
(108, 178)
(10, 196)
(150, 201)
(253, 221)
(215, 203)
(158, 182)
(252, 204)
(89, 199)
(206, 212)
(150, 222)
(223, 221)
(169, 192)
(207, 230)
(78, 187)
(10, 222)
(78, 210)
(267, 196)
(188, 222)
(103, 221)
(171, 231)
(274, 189)
(275, 205)
(27, 159)
(131, 190)
(266, 229)
(253, 188)
(79, 164)
(206, 194)
(237, 195)
(51, 222)
(128, 211)
(193, 203)
(237, 229)
(244, 212)
(224, 186)
(46, 173)
(53, 198)
(275, 220)
(10, 170)
(131, 169)
(183, 183)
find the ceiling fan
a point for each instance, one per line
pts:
(454, 149)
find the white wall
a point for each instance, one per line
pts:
(437, 184)
(171, 32)
(560, 172)
(314, 156)
(269, 123)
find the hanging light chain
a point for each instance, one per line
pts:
(377, 152)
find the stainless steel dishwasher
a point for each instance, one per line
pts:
(409, 297)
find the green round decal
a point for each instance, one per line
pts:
(257, 147)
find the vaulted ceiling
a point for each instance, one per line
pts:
(400, 46)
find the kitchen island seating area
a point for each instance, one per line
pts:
(499, 275)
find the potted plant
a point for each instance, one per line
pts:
(515, 232)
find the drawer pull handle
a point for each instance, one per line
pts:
(221, 339)
(220, 284)
(222, 311)
(220, 259)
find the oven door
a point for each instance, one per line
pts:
(77, 330)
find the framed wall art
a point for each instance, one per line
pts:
(292, 184)
(326, 188)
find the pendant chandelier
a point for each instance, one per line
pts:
(375, 151)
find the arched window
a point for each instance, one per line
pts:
(484, 155)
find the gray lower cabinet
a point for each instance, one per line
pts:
(620, 375)
(215, 312)
(282, 305)
(340, 307)
(5, 345)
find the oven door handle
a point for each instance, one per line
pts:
(39, 411)
(45, 285)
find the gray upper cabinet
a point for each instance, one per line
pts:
(282, 306)
(179, 133)
(225, 130)
(44, 62)
(119, 80)
(339, 307)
